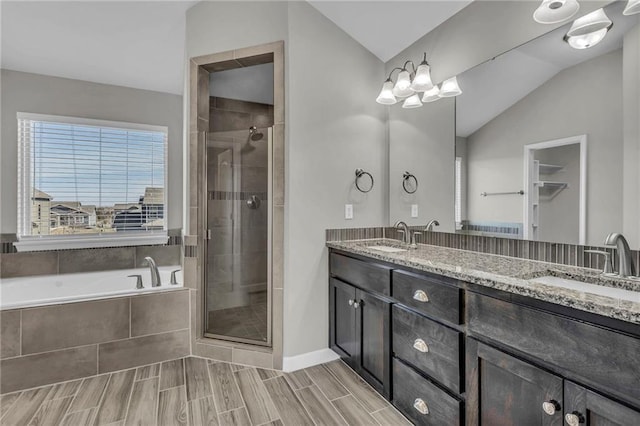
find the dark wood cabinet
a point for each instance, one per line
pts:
(584, 407)
(451, 352)
(360, 333)
(506, 391)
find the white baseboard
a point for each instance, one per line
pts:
(309, 359)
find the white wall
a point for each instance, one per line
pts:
(25, 92)
(584, 99)
(332, 125)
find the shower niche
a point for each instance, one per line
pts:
(238, 190)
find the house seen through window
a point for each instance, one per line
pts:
(80, 176)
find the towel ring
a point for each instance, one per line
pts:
(407, 177)
(359, 174)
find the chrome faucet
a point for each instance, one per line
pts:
(404, 229)
(155, 274)
(431, 224)
(626, 268)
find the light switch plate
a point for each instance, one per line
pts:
(348, 211)
(414, 210)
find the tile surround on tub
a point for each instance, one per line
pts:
(99, 336)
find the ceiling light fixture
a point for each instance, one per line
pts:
(555, 11)
(588, 30)
(411, 81)
(632, 8)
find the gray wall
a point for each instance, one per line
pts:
(558, 218)
(422, 143)
(584, 99)
(333, 126)
(25, 92)
(252, 84)
(631, 126)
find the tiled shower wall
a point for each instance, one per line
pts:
(51, 262)
(565, 254)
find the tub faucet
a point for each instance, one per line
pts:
(155, 274)
(626, 267)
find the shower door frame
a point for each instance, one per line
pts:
(236, 151)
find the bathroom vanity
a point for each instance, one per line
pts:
(453, 337)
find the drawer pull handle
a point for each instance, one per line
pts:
(421, 406)
(420, 296)
(421, 346)
(550, 407)
(573, 419)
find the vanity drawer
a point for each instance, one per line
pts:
(422, 401)
(430, 347)
(599, 357)
(429, 295)
(369, 276)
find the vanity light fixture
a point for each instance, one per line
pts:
(412, 101)
(450, 88)
(632, 8)
(555, 11)
(588, 30)
(407, 88)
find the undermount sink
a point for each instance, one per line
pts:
(387, 249)
(600, 290)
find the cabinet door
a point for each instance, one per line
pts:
(587, 408)
(373, 332)
(503, 390)
(342, 319)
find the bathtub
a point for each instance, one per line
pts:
(44, 290)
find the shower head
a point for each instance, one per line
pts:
(254, 134)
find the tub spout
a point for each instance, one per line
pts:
(155, 274)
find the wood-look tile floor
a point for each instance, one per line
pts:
(195, 391)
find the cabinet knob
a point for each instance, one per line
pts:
(573, 419)
(356, 305)
(550, 407)
(421, 406)
(420, 296)
(420, 345)
(350, 302)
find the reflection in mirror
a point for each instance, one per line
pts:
(540, 146)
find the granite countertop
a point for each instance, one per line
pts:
(604, 295)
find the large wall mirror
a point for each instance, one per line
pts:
(539, 140)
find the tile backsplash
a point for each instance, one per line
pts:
(565, 254)
(14, 264)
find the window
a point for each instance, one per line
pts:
(458, 193)
(90, 183)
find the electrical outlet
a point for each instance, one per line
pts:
(348, 211)
(414, 210)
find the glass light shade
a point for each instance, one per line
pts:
(403, 88)
(632, 8)
(422, 80)
(594, 21)
(386, 96)
(450, 88)
(587, 40)
(412, 101)
(555, 11)
(431, 95)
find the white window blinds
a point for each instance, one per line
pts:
(90, 178)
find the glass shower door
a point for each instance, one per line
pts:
(238, 276)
